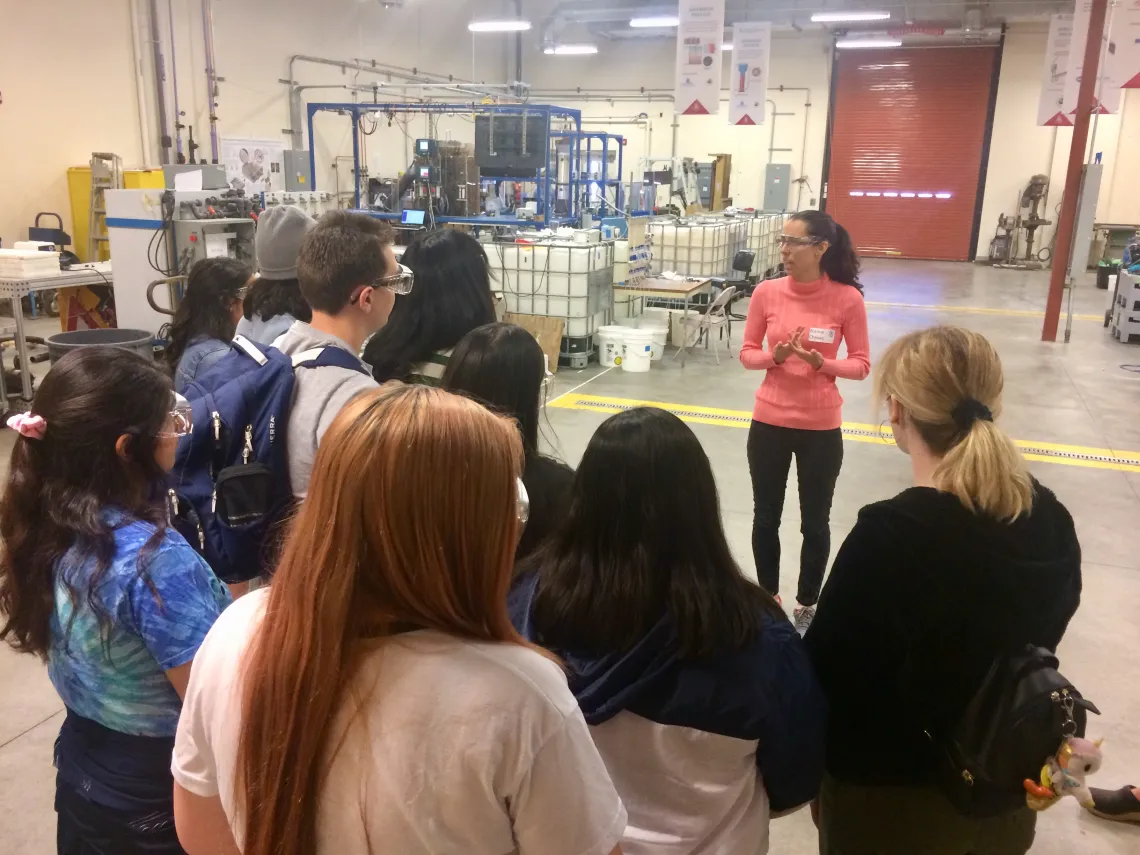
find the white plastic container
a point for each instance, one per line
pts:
(660, 339)
(610, 341)
(638, 351)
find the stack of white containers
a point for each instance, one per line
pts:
(764, 239)
(559, 279)
(700, 247)
(1126, 309)
(28, 264)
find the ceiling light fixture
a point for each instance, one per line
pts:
(848, 17)
(498, 26)
(849, 44)
(571, 50)
(655, 21)
(726, 47)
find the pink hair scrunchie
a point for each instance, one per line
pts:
(25, 424)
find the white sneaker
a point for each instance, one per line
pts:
(802, 618)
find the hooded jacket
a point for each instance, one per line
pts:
(700, 752)
(924, 595)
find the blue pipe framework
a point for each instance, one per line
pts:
(546, 207)
(582, 166)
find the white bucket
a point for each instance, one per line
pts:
(610, 342)
(638, 351)
(660, 339)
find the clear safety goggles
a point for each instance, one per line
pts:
(398, 283)
(181, 417)
(522, 506)
(791, 240)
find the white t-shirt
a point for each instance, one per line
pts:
(458, 748)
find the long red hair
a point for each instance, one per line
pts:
(410, 522)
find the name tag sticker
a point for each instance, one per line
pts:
(821, 335)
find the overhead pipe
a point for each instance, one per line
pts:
(160, 86)
(211, 76)
(565, 14)
(179, 156)
(412, 75)
(140, 82)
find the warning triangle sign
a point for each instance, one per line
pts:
(1134, 83)
(696, 109)
(746, 120)
(1059, 120)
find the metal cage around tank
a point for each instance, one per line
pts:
(542, 178)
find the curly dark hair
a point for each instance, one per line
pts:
(269, 298)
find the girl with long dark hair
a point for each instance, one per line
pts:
(376, 698)
(805, 317)
(452, 296)
(502, 367)
(697, 689)
(207, 318)
(93, 581)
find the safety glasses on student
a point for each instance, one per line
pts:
(181, 418)
(791, 240)
(522, 506)
(398, 283)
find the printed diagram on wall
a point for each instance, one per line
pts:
(699, 64)
(751, 47)
(255, 166)
(1050, 107)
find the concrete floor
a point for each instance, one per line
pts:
(1076, 394)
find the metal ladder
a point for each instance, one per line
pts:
(106, 174)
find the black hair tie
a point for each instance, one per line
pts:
(968, 411)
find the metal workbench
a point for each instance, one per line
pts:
(14, 289)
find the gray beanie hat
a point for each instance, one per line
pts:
(280, 230)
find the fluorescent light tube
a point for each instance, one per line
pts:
(498, 26)
(656, 21)
(847, 44)
(848, 17)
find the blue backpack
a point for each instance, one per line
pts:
(229, 489)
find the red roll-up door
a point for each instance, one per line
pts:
(908, 131)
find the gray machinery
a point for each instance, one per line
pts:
(442, 179)
(158, 235)
(1003, 245)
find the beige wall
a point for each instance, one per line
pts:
(69, 88)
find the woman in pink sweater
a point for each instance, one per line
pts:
(804, 317)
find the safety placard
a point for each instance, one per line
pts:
(699, 66)
(1107, 91)
(748, 72)
(1126, 41)
(1050, 108)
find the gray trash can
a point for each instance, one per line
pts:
(140, 341)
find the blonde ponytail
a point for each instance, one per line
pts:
(949, 381)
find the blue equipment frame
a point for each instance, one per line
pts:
(580, 176)
(543, 180)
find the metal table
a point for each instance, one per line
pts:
(683, 290)
(14, 289)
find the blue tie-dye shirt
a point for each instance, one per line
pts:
(117, 677)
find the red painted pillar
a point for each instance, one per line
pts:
(1065, 225)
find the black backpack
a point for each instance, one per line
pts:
(1017, 720)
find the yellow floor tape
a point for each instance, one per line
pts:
(1046, 452)
(975, 310)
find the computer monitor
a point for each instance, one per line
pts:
(413, 218)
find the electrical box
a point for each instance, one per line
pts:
(511, 145)
(426, 148)
(298, 174)
(1091, 175)
(777, 186)
(705, 184)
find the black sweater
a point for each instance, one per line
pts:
(924, 595)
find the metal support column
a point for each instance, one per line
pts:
(1062, 257)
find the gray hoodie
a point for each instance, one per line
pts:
(319, 394)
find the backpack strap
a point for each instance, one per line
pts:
(251, 350)
(329, 356)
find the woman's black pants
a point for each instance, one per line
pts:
(819, 457)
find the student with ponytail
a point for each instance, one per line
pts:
(376, 697)
(974, 562)
(805, 317)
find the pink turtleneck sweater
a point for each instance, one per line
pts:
(793, 393)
